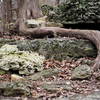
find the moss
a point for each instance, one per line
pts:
(22, 62)
(2, 72)
(56, 48)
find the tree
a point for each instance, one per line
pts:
(6, 9)
(28, 9)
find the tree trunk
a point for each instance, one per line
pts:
(1, 17)
(28, 9)
(57, 2)
(6, 14)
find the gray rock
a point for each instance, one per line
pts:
(14, 89)
(81, 72)
(93, 96)
(56, 48)
(15, 98)
(59, 48)
(56, 85)
(22, 62)
(44, 73)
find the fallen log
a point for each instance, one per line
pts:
(92, 35)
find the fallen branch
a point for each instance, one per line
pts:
(92, 35)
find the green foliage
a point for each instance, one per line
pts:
(46, 9)
(76, 11)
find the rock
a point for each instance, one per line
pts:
(41, 22)
(6, 49)
(33, 23)
(15, 98)
(14, 89)
(56, 85)
(15, 77)
(88, 62)
(21, 62)
(81, 72)
(44, 73)
(59, 48)
(56, 48)
(93, 96)
(97, 75)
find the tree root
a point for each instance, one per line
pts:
(92, 35)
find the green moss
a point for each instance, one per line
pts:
(2, 72)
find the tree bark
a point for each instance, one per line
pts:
(1, 17)
(6, 14)
(28, 9)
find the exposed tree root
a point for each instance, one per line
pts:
(92, 35)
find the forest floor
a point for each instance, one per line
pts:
(78, 86)
(63, 78)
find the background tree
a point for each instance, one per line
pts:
(28, 9)
(6, 9)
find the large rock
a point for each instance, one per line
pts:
(14, 89)
(82, 72)
(44, 73)
(41, 22)
(59, 49)
(93, 96)
(56, 85)
(56, 48)
(21, 62)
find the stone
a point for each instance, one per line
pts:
(15, 98)
(59, 48)
(21, 62)
(41, 22)
(15, 77)
(81, 72)
(14, 89)
(43, 73)
(92, 96)
(6, 49)
(97, 75)
(56, 85)
(55, 48)
(33, 23)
